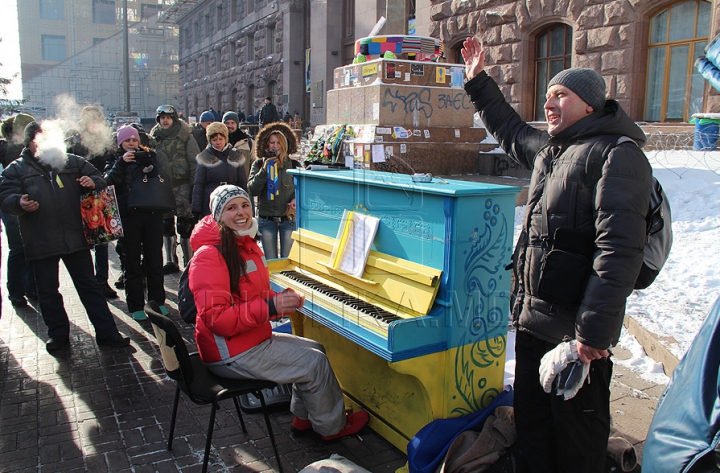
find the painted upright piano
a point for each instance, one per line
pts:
(421, 334)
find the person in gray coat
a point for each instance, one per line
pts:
(600, 224)
(43, 188)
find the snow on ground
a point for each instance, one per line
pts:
(676, 304)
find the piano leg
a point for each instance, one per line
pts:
(402, 397)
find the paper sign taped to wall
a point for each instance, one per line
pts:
(378, 153)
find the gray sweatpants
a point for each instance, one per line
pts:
(285, 358)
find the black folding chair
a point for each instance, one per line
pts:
(198, 383)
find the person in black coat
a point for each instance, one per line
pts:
(218, 164)
(566, 207)
(43, 188)
(93, 141)
(142, 228)
(268, 113)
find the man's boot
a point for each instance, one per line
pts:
(169, 243)
(186, 250)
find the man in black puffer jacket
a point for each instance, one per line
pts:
(604, 219)
(43, 189)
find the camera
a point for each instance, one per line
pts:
(142, 158)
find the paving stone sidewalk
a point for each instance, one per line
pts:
(108, 410)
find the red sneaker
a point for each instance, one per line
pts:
(353, 424)
(300, 425)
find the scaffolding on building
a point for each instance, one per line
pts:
(177, 10)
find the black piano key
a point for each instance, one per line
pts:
(347, 299)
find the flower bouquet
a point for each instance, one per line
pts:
(101, 216)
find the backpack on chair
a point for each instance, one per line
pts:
(658, 221)
(186, 299)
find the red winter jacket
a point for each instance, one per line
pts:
(226, 324)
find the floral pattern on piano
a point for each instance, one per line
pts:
(482, 346)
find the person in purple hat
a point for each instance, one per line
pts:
(142, 228)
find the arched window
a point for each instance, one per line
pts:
(249, 108)
(207, 102)
(272, 90)
(553, 53)
(234, 106)
(219, 102)
(678, 35)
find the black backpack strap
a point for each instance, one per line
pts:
(599, 153)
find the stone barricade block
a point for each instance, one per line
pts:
(407, 106)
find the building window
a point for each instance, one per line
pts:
(553, 54)
(52, 9)
(198, 36)
(250, 6)
(249, 105)
(234, 106)
(678, 35)
(206, 23)
(219, 15)
(218, 60)
(103, 12)
(272, 90)
(270, 38)
(53, 47)
(219, 102)
(150, 10)
(233, 51)
(233, 11)
(250, 48)
(206, 61)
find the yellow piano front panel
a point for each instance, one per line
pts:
(402, 397)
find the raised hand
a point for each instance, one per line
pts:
(474, 56)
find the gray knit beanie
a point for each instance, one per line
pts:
(231, 116)
(586, 83)
(222, 195)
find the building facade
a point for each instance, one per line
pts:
(95, 75)
(53, 30)
(645, 49)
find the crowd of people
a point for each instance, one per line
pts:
(213, 172)
(234, 208)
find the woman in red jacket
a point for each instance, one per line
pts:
(230, 282)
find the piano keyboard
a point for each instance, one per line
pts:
(339, 302)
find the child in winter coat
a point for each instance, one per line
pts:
(143, 229)
(219, 163)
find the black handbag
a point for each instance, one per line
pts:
(151, 193)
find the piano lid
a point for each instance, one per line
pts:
(403, 286)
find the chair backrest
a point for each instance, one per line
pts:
(172, 346)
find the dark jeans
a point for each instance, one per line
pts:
(555, 435)
(142, 246)
(102, 267)
(20, 274)
(80, 267)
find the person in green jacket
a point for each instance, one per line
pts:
(274, 187)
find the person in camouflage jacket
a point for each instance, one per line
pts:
(174, 138)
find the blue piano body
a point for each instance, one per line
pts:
(454, 353)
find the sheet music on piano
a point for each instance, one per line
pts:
(355, 237)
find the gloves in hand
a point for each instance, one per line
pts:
(561, 369)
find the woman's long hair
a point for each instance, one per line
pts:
(237, 267)
(283, 154)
